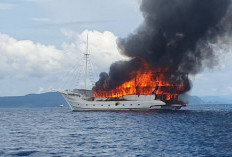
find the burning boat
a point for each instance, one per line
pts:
(81, 100)
(148, 89)
(142, 93)
(173, 40)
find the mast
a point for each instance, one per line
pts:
(86, 61)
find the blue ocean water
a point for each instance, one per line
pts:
(198, 130)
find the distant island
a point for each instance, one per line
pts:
(54, 99)
(49, 99)
(206, 99)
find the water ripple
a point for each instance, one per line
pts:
(58, 132)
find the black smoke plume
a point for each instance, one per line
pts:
(174, 34)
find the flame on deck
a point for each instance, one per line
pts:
(149, 81)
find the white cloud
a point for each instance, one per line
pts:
(6, 6)
(26, 57)
(28, 67)
(44, 67)
(102, 47)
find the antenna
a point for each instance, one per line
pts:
(86, 60)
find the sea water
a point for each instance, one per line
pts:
(198, 130)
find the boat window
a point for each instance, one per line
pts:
(108, 105)
(138, 104)
(131, 104)
(93, 105)
(123, 105)
(101, 105)
(86, 104)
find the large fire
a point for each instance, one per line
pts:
(148, 81)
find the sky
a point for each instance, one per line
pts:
(42, 44)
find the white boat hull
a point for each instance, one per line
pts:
(77, 103)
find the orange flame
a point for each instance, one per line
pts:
(147, 80)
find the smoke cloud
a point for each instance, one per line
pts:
(174, 34)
